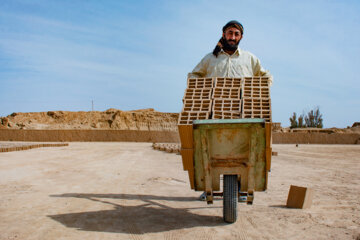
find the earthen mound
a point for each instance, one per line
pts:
(111, 119)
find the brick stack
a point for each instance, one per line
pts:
(197, 105)
(227, 98)
(220, 98)
(256, 98)
(197, 100)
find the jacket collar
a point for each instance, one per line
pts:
(236, 53)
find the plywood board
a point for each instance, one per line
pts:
(186, 135)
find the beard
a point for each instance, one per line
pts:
(230, 46)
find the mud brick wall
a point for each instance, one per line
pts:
(161, 137)
(88, 135)
(315, 138)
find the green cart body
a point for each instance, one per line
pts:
(230, 147)
(239, 149)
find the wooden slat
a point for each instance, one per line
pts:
(186, 135)
(187, 155)
(268, 158)
(268, 145)
(268, 134)
(191, 178)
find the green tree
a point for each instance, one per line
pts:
(293, 121)
(312, 119)
(301, 123)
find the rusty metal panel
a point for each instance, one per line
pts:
(258, 147)
(199, 175)
(230, 148)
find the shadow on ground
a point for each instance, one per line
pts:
(279, 206)
(154, 215)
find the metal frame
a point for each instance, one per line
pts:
(230, 147)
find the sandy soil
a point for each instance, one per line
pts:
(130, 191)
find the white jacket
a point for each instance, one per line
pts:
(240, 64)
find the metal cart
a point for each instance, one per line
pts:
(237, 149)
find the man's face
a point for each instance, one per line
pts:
(233, 36)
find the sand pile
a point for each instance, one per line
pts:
(111, 119)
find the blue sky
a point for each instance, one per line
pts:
(61, 55)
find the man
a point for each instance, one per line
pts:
(227, 60)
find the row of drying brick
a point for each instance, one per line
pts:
(32, 146)
(259, 82)
(167, 147)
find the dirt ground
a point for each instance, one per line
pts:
(130, 191)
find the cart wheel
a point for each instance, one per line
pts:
(230, 198)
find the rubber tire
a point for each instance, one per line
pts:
(230, 198)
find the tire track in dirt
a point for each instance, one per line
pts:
(174, 235)
(253, 227)
(241, 233)
(205, 234)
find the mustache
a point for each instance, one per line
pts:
(232, 41)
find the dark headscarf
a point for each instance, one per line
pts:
(220, 44)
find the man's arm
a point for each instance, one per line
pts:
(258, 70)
(200, 70)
